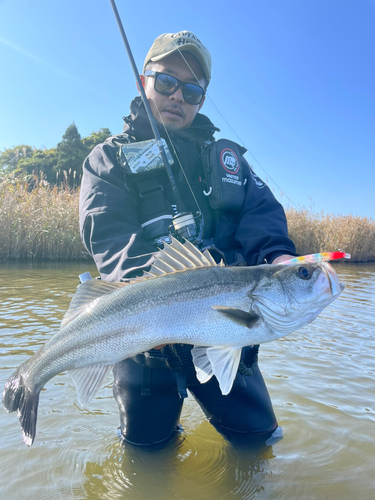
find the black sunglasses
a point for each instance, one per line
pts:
(168, 85)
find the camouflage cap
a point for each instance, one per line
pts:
(184, 41)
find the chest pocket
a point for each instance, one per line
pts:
(224, 175)
(141, 158)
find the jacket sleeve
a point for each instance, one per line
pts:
(108, 218)
(262, 230)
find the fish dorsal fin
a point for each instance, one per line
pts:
(88, 294)
(221, 361)
(177, 257)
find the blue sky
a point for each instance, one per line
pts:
(294, 79)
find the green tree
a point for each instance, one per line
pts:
(95, 138)
(70, 151)
(67, 157)
(41, 162)
(10, 158)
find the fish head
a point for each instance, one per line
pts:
(293, 295)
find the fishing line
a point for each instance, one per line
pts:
(299, 208)
(184, 224)
(184, 220)
(177, 196)
(175, 152)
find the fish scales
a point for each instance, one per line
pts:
(138, 309)
(218, 309)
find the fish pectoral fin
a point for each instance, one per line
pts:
(88, 381)
(221, 361)
(203, 367)
(244, 318)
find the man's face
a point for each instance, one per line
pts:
(175, 113)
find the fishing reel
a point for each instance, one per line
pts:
(185, 226)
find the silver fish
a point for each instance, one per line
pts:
(185, 298)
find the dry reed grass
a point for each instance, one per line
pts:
(355, 235)
(40, 222)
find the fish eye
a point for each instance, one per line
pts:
(304, 272)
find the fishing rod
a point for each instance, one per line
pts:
(183, 222)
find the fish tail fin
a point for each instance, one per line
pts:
(17, 396)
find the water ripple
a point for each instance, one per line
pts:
(320, 380)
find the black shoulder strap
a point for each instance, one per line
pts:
(155, 212)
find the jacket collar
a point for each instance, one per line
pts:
(138, 126)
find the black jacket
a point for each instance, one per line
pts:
(109, 204)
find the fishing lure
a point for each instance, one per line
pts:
(317, 257)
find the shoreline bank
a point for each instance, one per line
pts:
(41, 225)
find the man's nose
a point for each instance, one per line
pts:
(178, 95)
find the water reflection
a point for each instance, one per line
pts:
(320, 380)
(189, 467)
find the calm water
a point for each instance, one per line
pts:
(321, 381)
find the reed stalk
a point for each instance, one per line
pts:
(39, 222)
(321, 232)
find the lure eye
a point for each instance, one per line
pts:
(304, 272)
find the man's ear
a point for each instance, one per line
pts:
(142, 78)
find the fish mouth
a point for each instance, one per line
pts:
(328, 282)
(295, 313)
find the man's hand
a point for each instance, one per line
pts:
(282, 258)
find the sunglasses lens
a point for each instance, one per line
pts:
(193, 94)
(167, 85)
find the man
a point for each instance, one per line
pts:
(124, 217)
